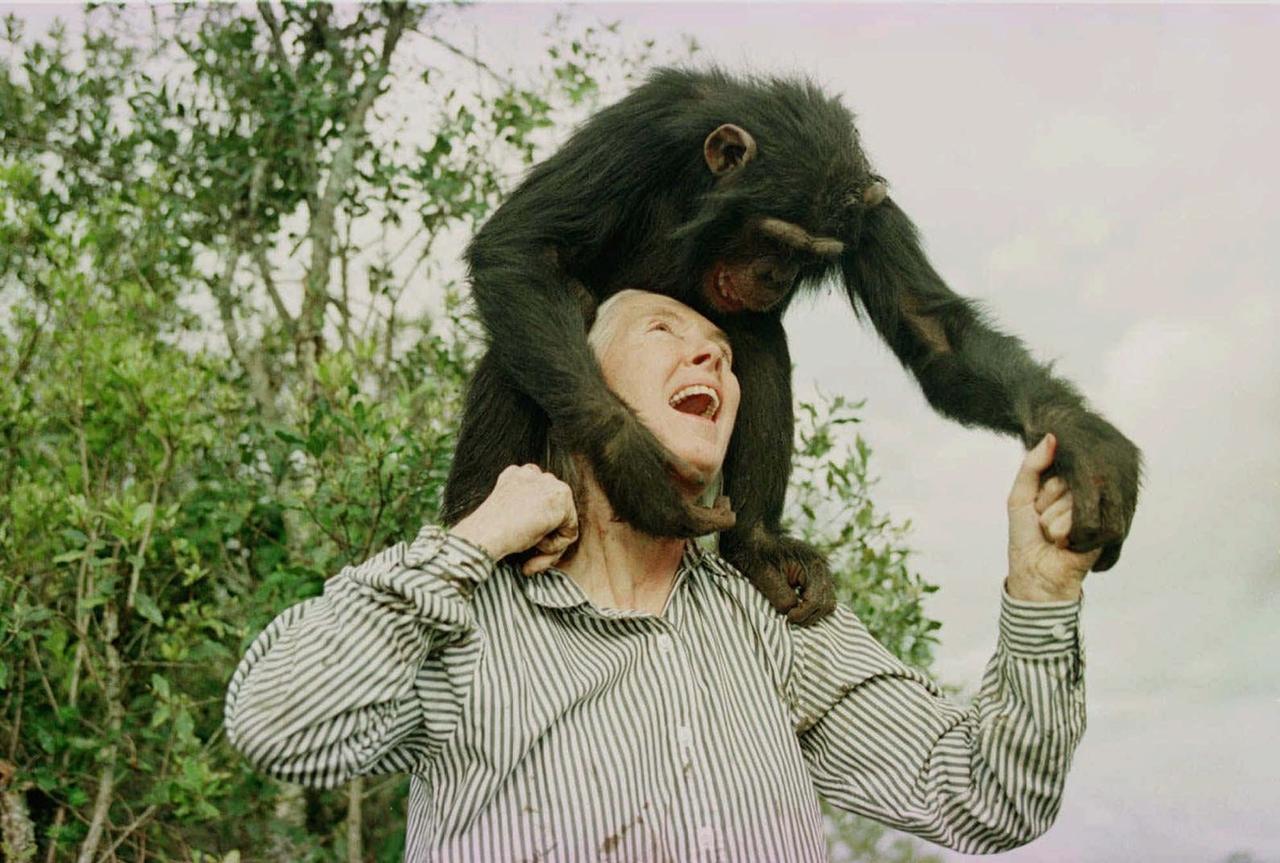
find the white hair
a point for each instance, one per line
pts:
(605, 328)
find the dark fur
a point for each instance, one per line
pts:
(628, 201)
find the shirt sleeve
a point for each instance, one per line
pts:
(881, 740)
(368, 677)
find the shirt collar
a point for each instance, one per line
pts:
(552, 588)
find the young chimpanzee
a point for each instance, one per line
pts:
(731, 194)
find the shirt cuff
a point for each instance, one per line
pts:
(1040, 628)
(459, 561)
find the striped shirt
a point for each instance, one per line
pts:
(537, 726)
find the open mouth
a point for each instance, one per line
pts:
(697, 400)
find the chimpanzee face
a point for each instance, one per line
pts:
(761, 266)
(758, 266)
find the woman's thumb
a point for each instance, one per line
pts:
(1027, 482)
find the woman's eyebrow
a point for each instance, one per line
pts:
(669, 317)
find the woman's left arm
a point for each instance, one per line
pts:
(880, 738)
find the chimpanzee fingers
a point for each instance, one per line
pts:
(1106, 560)
(774, 586)
(540, 562)
(796, 576)
(556, 543)
(1057, 530)
(817, 600)
(712, 519)
(1063, 505)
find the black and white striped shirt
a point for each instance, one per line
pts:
(538, 726)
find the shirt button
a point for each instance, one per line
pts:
(1059, 631)
(706, 838)
(685, 735)
(664, 642)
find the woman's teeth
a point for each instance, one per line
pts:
(713, 400)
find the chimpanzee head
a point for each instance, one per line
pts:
(786, 186)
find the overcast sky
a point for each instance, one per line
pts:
(1105, 181)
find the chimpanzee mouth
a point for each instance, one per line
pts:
(697, 400)
(720, 285)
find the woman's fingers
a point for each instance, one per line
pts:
(1053, 488)
(1055, 521)
(556, 543)
(538, 563)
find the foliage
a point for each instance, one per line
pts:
(831, 507)
(231, 353)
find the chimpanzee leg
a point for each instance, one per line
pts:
(501, 426)
(792, 575)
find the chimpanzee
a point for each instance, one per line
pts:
(731, 194)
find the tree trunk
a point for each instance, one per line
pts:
(290, 814)
(17, 833)
(355, 820)
(115, 722)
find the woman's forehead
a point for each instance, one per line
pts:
(644, 305)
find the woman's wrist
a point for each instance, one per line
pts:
(1031, 589)
(477, 533)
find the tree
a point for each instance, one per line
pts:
(222, 377)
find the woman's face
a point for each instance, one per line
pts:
(673, 367)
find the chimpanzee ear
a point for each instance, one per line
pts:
(728, 148)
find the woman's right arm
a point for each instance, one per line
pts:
(339, 685)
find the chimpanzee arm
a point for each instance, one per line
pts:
(756, 471)
(975, 374)
(538, 336)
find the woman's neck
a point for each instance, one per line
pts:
(616, 565)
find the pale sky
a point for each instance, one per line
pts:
(1104, 180)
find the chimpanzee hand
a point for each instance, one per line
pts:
(638, 476)
(1103, 469)
(791, 574)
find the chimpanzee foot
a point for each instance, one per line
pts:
(791, 574)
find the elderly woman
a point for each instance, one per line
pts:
(620, 696)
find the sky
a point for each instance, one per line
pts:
(1104, 181)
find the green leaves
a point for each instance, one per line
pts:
(147, 607)
(830, 505)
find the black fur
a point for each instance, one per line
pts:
(629, 201)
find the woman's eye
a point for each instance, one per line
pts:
(659, 326)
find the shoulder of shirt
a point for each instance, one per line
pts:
(728, 579)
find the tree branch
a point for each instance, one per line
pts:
(268, 281)
(470, 58)
(341, 169)
(109, 754)
(250, 361)
(355, 820)
(277, 40)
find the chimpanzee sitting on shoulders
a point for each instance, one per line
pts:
(732, 194)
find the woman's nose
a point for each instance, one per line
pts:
(708, 354)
